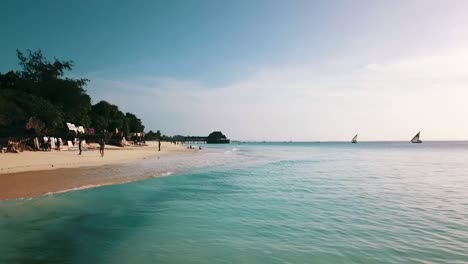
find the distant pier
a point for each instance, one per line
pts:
(194, 140)
(214, 138)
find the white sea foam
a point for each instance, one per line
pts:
(89, 186)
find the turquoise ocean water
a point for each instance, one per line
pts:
(260, 203)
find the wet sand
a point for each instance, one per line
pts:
(37, 183)
(31, 174)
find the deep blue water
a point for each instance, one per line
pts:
(261, 203)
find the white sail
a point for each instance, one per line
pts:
(416, 138)
(354, 140)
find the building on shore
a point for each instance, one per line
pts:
(217, 138)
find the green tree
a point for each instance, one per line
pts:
(134, 123)
(106, 116)
(46, 79)
(153, 136)
(40, 95)
(41, 91)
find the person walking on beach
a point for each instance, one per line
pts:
(159, 145)
(102, 144)
(79, 145)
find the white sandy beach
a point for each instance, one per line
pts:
(40, 160)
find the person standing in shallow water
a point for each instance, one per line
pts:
(159, 145)
(102, 144)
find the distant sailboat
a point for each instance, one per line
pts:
(354, 140)
(416, 138)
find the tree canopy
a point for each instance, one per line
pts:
(41, 94)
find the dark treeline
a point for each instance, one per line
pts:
(39, 99)
(158, 136)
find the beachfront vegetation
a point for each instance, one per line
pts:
(106, 116)
(40, 98)
(153, 135)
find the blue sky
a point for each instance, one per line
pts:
(262, 70)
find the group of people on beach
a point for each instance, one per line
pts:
(194, 147)
(48, 143)
(13, 146)
(102, 145)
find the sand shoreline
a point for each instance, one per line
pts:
(31, 174)
(40, 160)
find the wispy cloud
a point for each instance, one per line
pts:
(380, 100)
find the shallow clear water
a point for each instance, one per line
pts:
(261, 203)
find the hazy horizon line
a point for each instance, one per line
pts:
(344, 141)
